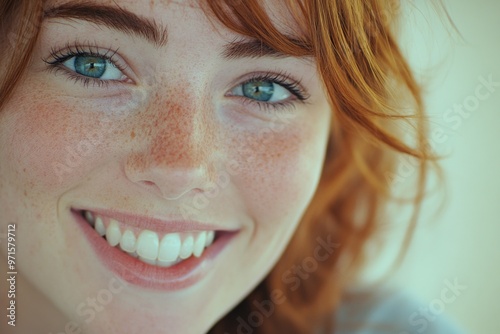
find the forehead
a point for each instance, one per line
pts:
(159, 10)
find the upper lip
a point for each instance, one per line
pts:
(161, 225)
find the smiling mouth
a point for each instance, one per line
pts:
(154, 248)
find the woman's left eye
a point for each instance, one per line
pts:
(262, 91)
(94, 67)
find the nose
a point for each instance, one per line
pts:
(178, 154)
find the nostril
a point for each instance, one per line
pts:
(151, 186)
(169, 182)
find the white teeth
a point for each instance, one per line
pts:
(99, 227)
(170, 250)
(170, 247)
(89, 217)
(127, 243)
(199, 244)
(187, 247)
(210, 238)
(148, 244)
(113, 234)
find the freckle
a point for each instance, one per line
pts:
(169, 131)
(132, 134)
(25, 193)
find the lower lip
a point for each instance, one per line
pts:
(180, 276)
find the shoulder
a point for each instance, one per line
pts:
(389, 311)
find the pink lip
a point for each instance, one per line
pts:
(133, 271)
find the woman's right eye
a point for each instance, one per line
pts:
(94, 67)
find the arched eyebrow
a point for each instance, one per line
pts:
(113, 17)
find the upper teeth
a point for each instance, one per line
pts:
(148, 247)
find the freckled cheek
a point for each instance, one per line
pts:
(54, 147)
(274, 174)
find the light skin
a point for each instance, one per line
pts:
(163, 130)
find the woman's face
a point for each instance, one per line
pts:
(161, 144)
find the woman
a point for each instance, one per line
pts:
(224, 161)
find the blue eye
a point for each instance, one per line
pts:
(90, 66)
(259, 90)
(262, 91)
(93, 67)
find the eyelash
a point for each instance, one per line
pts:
(283, 79)
(58, 57)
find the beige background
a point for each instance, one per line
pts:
(463, 241)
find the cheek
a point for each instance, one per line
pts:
(47, 148)
(279, 169)
(52, 145)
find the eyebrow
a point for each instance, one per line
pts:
(250, 49)
(112, 17)
(256, 49)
